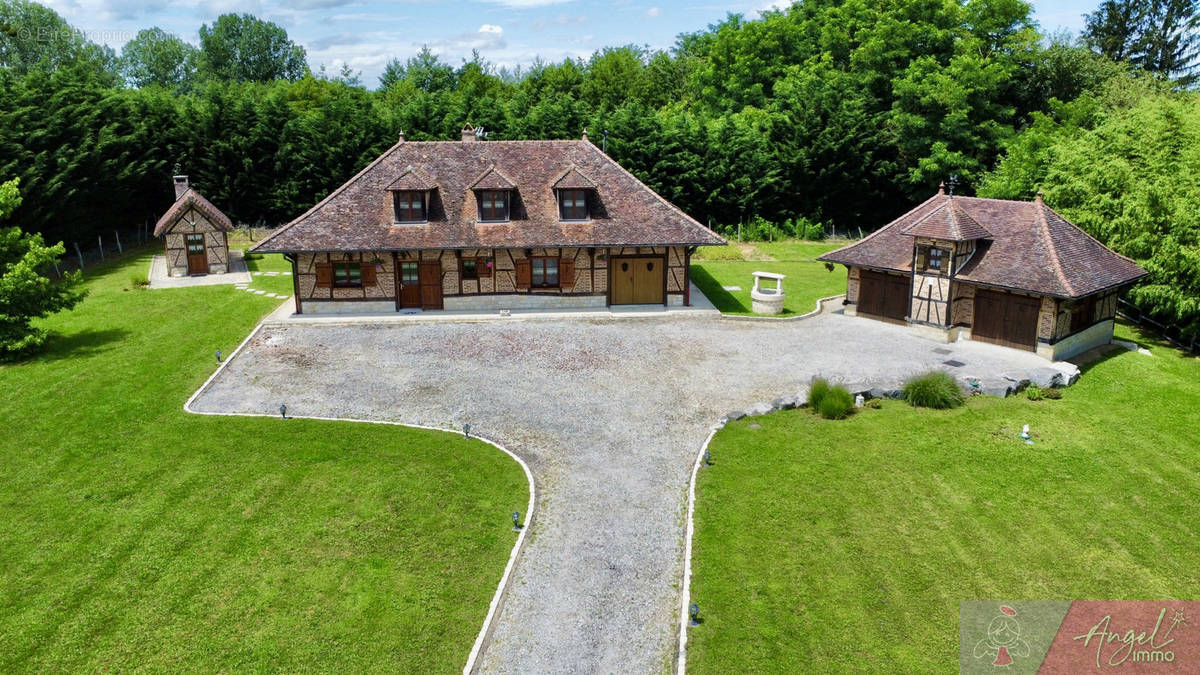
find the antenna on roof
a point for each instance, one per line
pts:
(604, 143)
(952, 182)
(481, 134)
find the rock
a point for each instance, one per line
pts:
(1046, 377)
(735, 415)
(1019, 379)
(784, 403)
(995, 386)
(760, 409)
(1070, 373)
(884, 392)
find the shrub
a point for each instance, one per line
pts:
(1052, 393)
(874, 404)
(139, 281)
(836, 404)
(1034, 393)
(935, 389)
(817, 391)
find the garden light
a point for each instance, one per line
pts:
(707, 458)
(283, 410)
(467, 430)
(516, 516)
(694, 613)
(218, 356)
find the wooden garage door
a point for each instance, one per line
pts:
(883, 296)
(1006, 319)
(637, 281)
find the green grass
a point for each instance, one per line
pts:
(848, 545)
(807, 280)
(730, 252)
(136, 536)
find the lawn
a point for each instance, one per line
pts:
(848, 545)
(136, 536)
(807, 280)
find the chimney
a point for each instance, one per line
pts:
(181, 186)
(468, 134)
(942, 188)
(585, 133)
(401, 137)
(1039, 197)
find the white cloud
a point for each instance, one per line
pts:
(653, 12)
(775, 4)
(487, 37)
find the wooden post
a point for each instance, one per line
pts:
(80, 254)
(100, 243)
(118, 236)
(57, 272)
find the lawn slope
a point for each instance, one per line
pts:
(848, 545)
(135, 535)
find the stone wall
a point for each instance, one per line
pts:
(962, 311)
(216, 245)
(852, 283)
(1047, 319)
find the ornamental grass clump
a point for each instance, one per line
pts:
(935, 389)
(833, 402)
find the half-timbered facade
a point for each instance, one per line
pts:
(489, 225)
(1008, 272)
(194, 234)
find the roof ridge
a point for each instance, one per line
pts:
(331, 195)
(895, 222)
(1038, 207)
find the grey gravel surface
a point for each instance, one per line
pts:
(608, 413)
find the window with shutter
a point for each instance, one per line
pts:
(524, 273)
(324, 275)
(347, 275)
(545, 272)
(566, 272)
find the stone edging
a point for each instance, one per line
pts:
(681, 658)
(822, 301)
(502, 588)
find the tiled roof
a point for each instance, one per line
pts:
(948, 221)
(189, 199)
(358, 215)
(573, 180)
(1029, 248)
(412, 179)
(492, 180)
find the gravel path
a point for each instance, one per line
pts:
(609, 415)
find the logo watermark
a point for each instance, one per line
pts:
(1079, 637)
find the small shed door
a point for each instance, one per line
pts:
(637, 281)
(430, 274)
(197, 256)
(1006, 319)
(883, 296)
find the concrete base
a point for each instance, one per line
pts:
(474, 303)
(1088, 338)
(176, 277)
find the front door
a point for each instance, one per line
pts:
(637, 281)
(196, 255)
(430, 276)
(410, 284)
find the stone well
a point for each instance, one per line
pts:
(767, 300)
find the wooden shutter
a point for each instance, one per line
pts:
(324, 275)
(524, 273)
(483, 268)
(566, 272)
(368, 274)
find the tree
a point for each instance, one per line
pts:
(34, 37)
(155, 57)
(25, 294)
(1117, 29)
(1160, 36)
(243, 48)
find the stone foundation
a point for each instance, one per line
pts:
(347, 307)
(467, 303)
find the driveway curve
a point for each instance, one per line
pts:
(609, 414)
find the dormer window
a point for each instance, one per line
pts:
(409, 206)
(572, 205)
(934, 261)
(493, 206)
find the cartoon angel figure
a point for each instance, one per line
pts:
(1003, 639)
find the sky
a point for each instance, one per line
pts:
(366, 34)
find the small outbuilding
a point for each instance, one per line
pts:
(1012, 273)
(194, 233)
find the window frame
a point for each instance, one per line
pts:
(349, 281)
(544, 262)
(462, 269)
(422, 198)
(584, 209)
(416, 272)
(941, 257)
(507, 215)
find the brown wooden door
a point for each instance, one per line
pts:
(637, 281)
(197, 256)
(430, 276)
(883, 296)
(410, 284)
(1006, 319)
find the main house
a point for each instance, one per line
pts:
(475, 224)
(1009, 272)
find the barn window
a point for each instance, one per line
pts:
(470, 269)
(934, 259)
(493, 206)
(572, 205)
(409, 206)
(347, 275)
(545, 272)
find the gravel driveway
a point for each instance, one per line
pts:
(609, 415)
